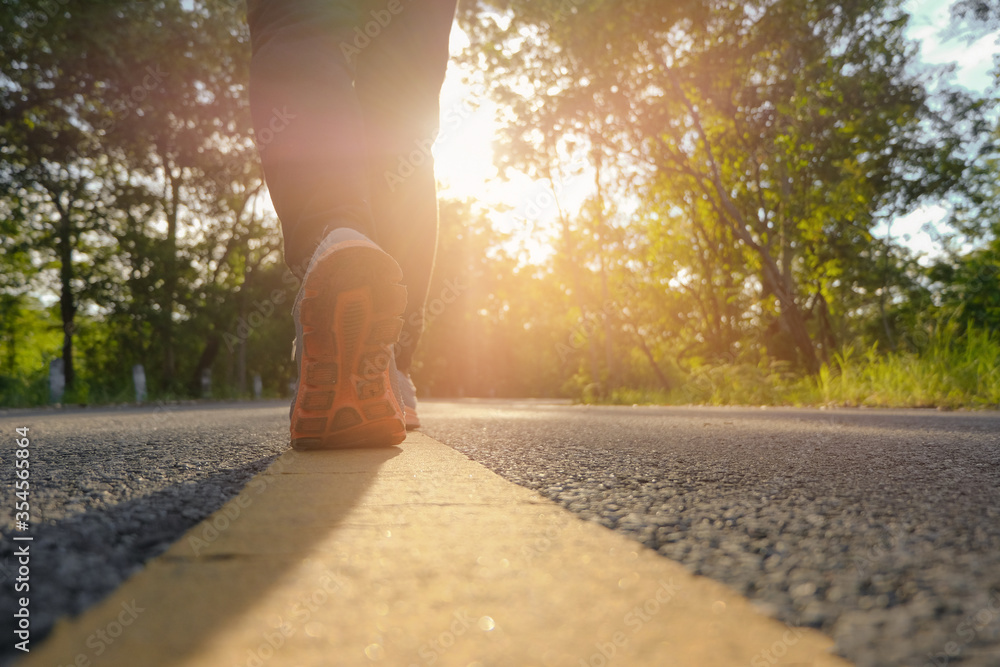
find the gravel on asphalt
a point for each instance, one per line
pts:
(880, 528)
(110, 489)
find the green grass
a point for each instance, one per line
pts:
(953, 371)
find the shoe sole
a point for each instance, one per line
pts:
(350, 312)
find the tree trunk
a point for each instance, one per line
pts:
(883, 291)
(609, 348)
(664, 381)
(170, 276)
(241, 369)
(791, 314)
(205, 361)
(67, 302)
(595, 374)
(241, 351)
(781, 285)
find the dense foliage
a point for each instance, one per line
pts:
(747, 161)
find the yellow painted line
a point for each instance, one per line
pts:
(413, 556)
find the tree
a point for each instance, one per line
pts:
(129, 159)
(974, 18)
(50, 167)
(783, 130)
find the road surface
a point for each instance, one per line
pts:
(879, 528)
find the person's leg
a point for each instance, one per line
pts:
(349, 307)
(310, 132)
(398, 82)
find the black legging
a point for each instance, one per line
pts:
(345, 103)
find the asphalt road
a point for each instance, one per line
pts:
(882, 529)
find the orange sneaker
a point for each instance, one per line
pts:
(347, 318)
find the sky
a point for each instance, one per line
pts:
(464, 157)
(974, 65)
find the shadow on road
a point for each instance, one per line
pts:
(79, 560)
(211, 575)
